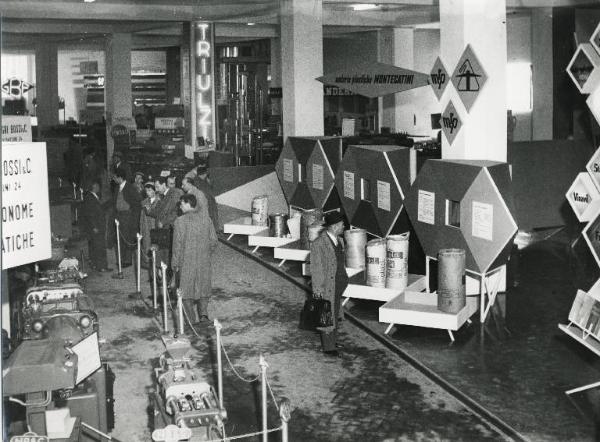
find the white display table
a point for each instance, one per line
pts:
(242, 226)
(263, 240)
(291, 252)
(357, 290)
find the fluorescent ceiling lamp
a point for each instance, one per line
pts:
(364, 6)
(89, 1)
(251, 24)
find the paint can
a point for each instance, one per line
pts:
(308, 218)
(356, 240)
(451, 280)
(278, 225)
(396, 276)
(294, 225)
(376, 263)
(260, 208)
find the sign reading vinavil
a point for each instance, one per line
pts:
(25, 208)
(375, 79)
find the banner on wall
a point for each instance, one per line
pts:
(16, 129)
(26, 234)
(375, 79)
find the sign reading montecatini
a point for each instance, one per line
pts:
(25, 207)
(375, 79)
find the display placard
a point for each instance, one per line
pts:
(317, 176)
(288, 170)
(26, 234)
(88, 357)
(469, 77)
(451, 122)
(483, 221)
(16, 129)
(348, 185)
(426, 207)
(439, 78)
(383, 195)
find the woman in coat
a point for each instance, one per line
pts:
(147, 223)
(328, 270)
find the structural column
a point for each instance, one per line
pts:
(117, 87)
(482, 24)
(275, 74)
(302, 62)
(46, 84)
(543, 76)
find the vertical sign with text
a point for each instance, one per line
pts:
(203, 81)
(25, 206)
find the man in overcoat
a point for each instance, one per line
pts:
(127, 205)
(94, 225)
(328, 270)
(194, 241)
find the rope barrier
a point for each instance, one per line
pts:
(235, 371)
(272, 395)
(244, 436)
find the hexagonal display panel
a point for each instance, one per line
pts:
(583, 68)
(593, 168)
(464, 204)
(591, 233)
(584, 197)
(306, 168)
(372, 182)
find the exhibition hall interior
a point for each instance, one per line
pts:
(300, 220)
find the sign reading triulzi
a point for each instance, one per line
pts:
(375, 79)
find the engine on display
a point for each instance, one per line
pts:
(59, 310)
(183, 397)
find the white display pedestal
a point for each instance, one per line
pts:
(291, 252)
(363, 291)
(420, 309)
(242, 226)
(263, 240)
(583, 337)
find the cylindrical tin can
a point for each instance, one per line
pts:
(260, 210)
(451, 280)
(397, 261)
(356, 240)
(376, 263)
(278, 225)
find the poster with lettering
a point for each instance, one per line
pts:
(317, 176)
(593, 168)
(16, 129)
(288, 170)
(383, 195)
(372, 79)
(591, 233)
(348, 185)
(426, 207)
(25, 205)
(451, 122)
(482, 221)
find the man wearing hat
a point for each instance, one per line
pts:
(329, 277)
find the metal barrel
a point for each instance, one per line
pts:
(260, 210)
(278, 225)
(308, 218)
(356, 241)
(451, 280)
(376, 262)
(397, 261)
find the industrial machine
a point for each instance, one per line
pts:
(56, 310)
(183, 397)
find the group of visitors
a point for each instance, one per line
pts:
(179, 223)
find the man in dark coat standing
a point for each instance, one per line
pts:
(94, 224)
(127, 205)
(165, 211)
(194, 241)
(328, 270)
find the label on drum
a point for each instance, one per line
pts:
(348, 185)
(317, 176)
(426, 207)
(288, 170)
(383, 195)
(483, 221)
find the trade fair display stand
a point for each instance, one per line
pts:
(242, 226)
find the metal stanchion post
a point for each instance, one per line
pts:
(74, 191)
(285, 413)
(163, 267)
(119, 274)
(154, 285)
(219, 364)
(139, 264)
(180, 311)
(263, 377)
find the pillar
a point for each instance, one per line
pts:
(173, 74)
(117, 89)
(46, 84)
(482, 24)
(543, 75)
(302, 62)
(275, 74)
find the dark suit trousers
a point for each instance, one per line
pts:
(97, 249)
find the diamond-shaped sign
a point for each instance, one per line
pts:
(439, 78)
(584, 197)
(451, 122)
(591, 233)
(593, 168)
(595, 39)
(593, 102)
(584, 68)
(469, 77)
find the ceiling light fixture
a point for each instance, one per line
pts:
(89, 1)
(364, 6)
(251, 24)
